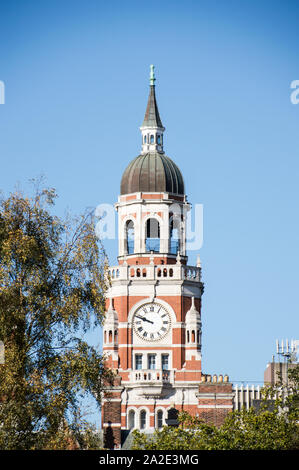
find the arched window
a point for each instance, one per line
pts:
(143, 419)
(130, 236)
(174, 235)
(158, 139)
(152, 139)
(160, 419)
(144, 139)
(152, 234)
(131, 419)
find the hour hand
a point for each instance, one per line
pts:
(144, 319)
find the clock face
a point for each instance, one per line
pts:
(151, 322)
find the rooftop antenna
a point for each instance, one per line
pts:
(288, 352)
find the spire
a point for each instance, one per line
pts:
(152, 116)
(152, 128)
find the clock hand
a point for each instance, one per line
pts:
(145, 319)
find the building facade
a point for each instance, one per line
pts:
(152, 334)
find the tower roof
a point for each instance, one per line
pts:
(152, 172)
(152, 116)
(192, 316)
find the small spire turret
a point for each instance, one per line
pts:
(152, 128)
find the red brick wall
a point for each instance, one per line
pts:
(218, 406)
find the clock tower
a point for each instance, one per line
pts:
(152, 331)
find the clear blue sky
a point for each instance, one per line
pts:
(76, 87)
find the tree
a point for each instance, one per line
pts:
(276, 428)
(52, 291)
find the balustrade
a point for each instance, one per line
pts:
(155, 272)
(158, 376)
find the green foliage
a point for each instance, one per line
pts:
(267, 429)
(52, 288)
(292, 400)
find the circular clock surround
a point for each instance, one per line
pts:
(151, 321)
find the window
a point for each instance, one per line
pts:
(138, 361)
(143, 419)
(164, 361)
(131, 419)
(144, 139)
(152, 241)
(130, 237)
(158, 139)
(152, 141)
(151, 361)
(174, 235)
(160, 419)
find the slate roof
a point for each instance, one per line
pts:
(152, 117)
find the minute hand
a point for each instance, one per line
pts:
(144, 319)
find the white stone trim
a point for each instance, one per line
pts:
(212, 396)
(106, 425)
(216, 406)
(108, 400)
(148, 344)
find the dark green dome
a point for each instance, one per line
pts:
(152, 172)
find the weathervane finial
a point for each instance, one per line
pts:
(152, 75)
